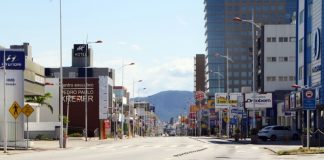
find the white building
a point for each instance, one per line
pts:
(276, 69)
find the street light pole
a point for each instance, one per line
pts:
(138, 81)
(253, 24)
(86, 86)
(122, 106)
(227, 88)
(253, 72)
(61, 81)
(5, 135)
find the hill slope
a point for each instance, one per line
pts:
(170, 103)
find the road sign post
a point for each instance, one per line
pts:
(15, 111)
(200, 95)
(309, 103)
(27, 110)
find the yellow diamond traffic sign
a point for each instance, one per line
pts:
(27, 110)
(15, 109)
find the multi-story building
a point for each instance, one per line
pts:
(223, 34)
(199, 73)
(83, 84)
(309, 68)
(275, 67)
(276, 58)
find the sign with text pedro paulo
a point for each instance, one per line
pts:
(261, 100)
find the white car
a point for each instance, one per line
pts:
(276, 132)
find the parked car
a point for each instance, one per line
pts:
(277, 132)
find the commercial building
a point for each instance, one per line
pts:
(199, 73)
(275, 68)
(83, 83)
(309, 68)
(223, 34)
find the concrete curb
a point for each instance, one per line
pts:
(269, 149)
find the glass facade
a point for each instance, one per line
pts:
(223, 34)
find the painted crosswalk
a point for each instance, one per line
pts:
(121, 147)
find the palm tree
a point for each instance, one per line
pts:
(41, 100)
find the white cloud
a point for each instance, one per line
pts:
(136, 47)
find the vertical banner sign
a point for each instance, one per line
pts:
(13, 84)
(309, 102)
(103, 97)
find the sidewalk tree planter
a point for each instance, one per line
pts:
(254, 135)
(237, 134)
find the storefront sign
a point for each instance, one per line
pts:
(80, 50)
(15, 60)
(260, 100)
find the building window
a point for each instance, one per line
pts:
(309, 39)
(281, 39)
(271, 78)
(285, 78)
(268, 39)
(273, 39)
(300, 45)
(280, 78)
(285, 39)
(291, 78)
(300, 72)
(301, 17)
(271, 59)
(283, 59)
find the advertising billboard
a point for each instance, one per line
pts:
(221, 100)
(260, 100)
(74, 96)
(224, 101)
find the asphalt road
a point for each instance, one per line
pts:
(158, 148)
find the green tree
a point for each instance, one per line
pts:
(40, 99)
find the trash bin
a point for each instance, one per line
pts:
(57, 132)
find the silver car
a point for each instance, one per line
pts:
(277, 132)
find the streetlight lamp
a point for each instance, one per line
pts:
(86, 86)
(227, 88)
(220, 110)
(61, 81)
(122, 109)
(253, 24)
(138, 81)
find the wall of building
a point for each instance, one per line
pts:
(279, 57)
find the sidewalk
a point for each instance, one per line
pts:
(72, 142)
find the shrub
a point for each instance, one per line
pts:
(76, 134)
(254, 131)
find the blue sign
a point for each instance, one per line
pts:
(233, 121)
(309, 99)
(15, 60)
(237, 111)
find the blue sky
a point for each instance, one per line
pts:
(160, 36)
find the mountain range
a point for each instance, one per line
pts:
(170, 104)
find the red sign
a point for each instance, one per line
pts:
(200, 95)
(107, 124)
